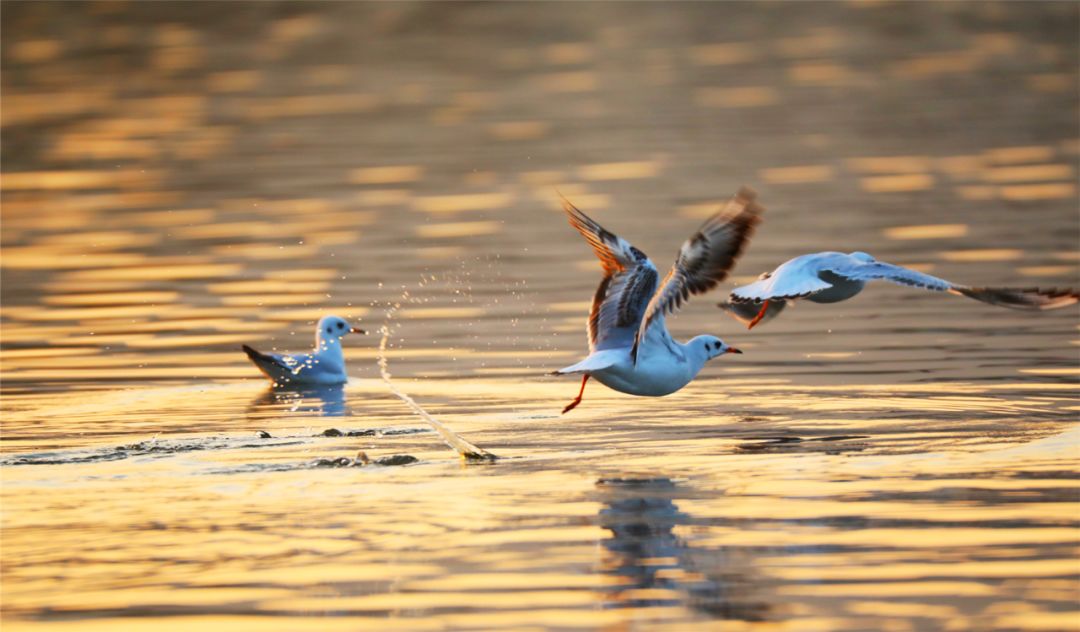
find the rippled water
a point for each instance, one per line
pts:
(179, 179)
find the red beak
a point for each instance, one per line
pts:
(357, 330)
(732, 350)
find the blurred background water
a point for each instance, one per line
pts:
(181, 178)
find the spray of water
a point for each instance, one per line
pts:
(464, 448)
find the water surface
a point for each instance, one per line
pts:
(180, 179)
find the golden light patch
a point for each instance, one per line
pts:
(270, 300)
(302, 274)
(890, 164)
(1011, 155)
(462, 202)
(440, 252)
(961, 167)
(1029, 173)
(34, 51)
(822, 73)
(84, 179)
(416, 313)
(983, 254)
(722, 54)
(1032, 192)
(234, 81)
(1052, 82)
(620, 170)
(60, 258)
(797, 175)
(898, 183)
(112, 298)
(1052, 371)
(976, 192)
(295, 28)
(458, 229)
(172, 272)
(87, 147)
(328, 75)
(567, 82)
(817, 42)
(743, 97)
(994, 43)
(267, 286)
(383, 197)
(568, 53)
(540, 178)
(312, 314)
(937, 64)
(519, 130)
(927, 231)
(308, 105)
(701, 210)
(1045, 271)
(386, 175)
(483, 179)
(590, 201)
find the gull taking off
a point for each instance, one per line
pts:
(324, 365)
(630, 349)
(831, 277)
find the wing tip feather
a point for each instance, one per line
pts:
(1023, 298)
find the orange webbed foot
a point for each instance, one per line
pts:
(760, 315)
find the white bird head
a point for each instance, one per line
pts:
(710, 346)
(332, 329)
(862, 256)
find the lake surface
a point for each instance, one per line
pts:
(180, 179)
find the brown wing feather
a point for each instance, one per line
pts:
(706, 258)
(1021, 298)
(629, 280)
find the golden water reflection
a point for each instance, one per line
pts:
(175, 186)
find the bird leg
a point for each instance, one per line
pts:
(760, 315)
(577, 400)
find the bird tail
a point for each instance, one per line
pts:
(596, 361)
(1021, 298)
(269, 365)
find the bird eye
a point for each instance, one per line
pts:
(341, 325)
(329, 330)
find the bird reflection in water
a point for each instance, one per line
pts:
(654, 567)
(323, 401)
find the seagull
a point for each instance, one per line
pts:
(324, 365)
(630, 349)
(831, 277)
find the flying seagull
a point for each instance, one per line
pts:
(831, 277)
(630, 349)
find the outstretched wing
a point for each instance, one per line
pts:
(854, 269)
(706, 258)
(629, 280)
(1015, 298)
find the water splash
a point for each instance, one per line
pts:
(467, 450)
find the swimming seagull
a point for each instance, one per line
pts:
(831, 277)
(324, 365)
(630, 349)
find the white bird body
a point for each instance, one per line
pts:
(630, 347)
(324, 366)
(663, 365)
(831, 277)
